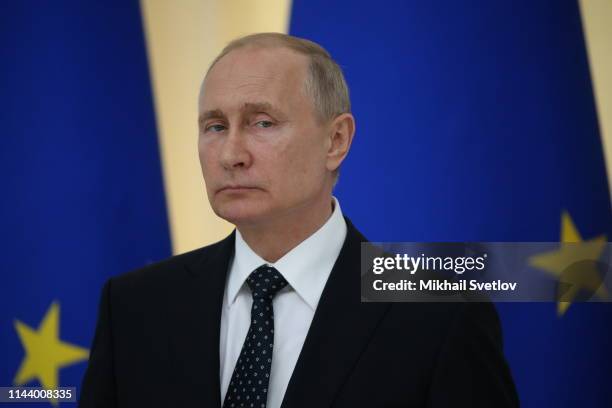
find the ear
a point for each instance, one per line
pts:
(342, 130)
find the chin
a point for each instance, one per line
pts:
(241, 212)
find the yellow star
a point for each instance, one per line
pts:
(45, 353)
(574, 264)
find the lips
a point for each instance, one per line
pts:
(236, 189)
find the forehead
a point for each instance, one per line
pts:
(275, 74)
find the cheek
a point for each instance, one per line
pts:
(310, 159)
(206, 149)
(299, 170)
(207, 155)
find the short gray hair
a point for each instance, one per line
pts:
(325, 82)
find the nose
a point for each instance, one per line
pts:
(234, 152)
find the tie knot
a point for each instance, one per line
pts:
(265, 282)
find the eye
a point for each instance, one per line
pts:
(264, 124)
(215, 128)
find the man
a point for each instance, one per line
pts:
(271, 316)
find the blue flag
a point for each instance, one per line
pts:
(83, 198)
(476, 122)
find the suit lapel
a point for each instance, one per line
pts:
(196, 319)
(341, 329)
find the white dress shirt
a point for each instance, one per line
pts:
(306, 268)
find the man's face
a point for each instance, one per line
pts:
(262, 149)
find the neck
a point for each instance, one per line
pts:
(273, 239)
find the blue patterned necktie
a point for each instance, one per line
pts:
(249, 384)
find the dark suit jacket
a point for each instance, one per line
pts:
(157, 343)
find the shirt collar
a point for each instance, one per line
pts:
(306, 267)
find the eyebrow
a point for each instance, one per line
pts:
(211, 114)
(250, 107)
(247, 107)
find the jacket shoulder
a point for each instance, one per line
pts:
(162, 274)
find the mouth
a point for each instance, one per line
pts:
(236, 189)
